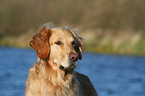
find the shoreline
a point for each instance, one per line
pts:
(125, 42)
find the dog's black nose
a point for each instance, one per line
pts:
(73, 57)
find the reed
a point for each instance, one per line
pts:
(109, 26)
(107, 42)
(95, 41)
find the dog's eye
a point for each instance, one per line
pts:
(58, 42)
(73, 43)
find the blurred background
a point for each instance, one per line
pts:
(108, 27)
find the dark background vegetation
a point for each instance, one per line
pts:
(109, 26)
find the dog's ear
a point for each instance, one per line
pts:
(79, 44)
(40, 43)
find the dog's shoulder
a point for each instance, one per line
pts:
(85, 84)
(32, 84)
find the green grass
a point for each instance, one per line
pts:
(128, 43)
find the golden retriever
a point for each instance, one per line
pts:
(58, 50)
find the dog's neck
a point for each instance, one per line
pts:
(56, 78)
(54, 74)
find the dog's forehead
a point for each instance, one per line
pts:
(61, 33)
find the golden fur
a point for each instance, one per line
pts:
(46, 78)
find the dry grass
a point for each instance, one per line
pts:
(124, 42)
(96, 41)
(19, 17)
(109, 26)
(21, 41)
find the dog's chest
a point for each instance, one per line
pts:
(50, 89)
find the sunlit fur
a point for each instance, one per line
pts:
(45, 81)
(45, 78)
(59, 54)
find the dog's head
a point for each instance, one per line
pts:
(59, 46)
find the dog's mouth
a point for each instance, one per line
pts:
(71, 62)
(72, 65)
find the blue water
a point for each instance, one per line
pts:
(112, 75)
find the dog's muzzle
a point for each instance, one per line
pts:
(73, 57)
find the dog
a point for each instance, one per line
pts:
(58, 50)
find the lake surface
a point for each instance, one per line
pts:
(111, 75)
